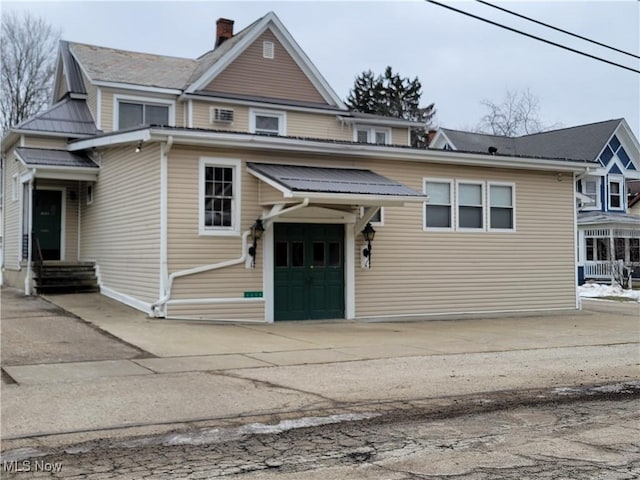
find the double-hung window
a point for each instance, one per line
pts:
(438, 211)
(131, 112)
(501, 206)
(267, 122)
(379, 136)
(591, 188)
(470, 205)
(615, 193)
(219, 196)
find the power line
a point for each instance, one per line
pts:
(534, 37)
(556, 28)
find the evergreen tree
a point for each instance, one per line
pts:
(391, 95)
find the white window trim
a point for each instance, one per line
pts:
(371, 134)
(620, 180)
(234, 230)
(281, 115)
(149, 100)
(513, 206)
(452, 205)
(598, 204)
(483, 197)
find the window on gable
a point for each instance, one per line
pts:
(590, 186)
(501, 207)
(135, 114)
(268, 123)
(615, 194)
(379, 136)
(470, 205)
(219, 196)
(438, 209)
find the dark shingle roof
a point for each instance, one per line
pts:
(332, 180)
(69, 116)
(34, 157)
(583, 142)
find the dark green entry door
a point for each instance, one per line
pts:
(47, 222)
(309, 271)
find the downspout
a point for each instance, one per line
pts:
(27, 280)
(158, 309)
(165, 148)
(2, 220)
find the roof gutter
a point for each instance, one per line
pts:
(389, 153)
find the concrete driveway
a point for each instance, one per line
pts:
(35, 331)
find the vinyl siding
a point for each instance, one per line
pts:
(121, 228)
(201, 116)
(188, 249)
(279, 77)
(312, 125)
(11, 211)
(416, 272)
(400, 136)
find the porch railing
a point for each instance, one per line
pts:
(597, 270)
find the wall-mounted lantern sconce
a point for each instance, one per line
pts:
(139, 146)
(257, 229)
(368, 234)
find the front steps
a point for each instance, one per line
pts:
(66, 277)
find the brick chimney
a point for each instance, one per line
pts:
(224, 30)
(430, 135)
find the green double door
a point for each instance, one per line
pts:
(308, 271)
(47, 222)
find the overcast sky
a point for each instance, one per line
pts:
(459, 60)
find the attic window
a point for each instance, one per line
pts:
(267, 49)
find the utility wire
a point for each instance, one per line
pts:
(556, 28)
(534, 37)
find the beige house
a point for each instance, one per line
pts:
(160, 173)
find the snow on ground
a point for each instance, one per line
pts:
(594, 290)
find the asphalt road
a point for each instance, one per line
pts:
(593, 435)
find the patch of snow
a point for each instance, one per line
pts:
(20, 454)
(218, 435)
(595, 290)
(626, 387)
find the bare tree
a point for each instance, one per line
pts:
(518, 114)
(27, 51)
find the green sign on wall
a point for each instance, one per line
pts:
(252, 294)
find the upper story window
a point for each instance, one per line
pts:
(219, 212)
(616, 193)
(267, 122)
(377, 135)
(591, 188)
(438, 211)
(130, 112)
(470, 205)
(501, 206)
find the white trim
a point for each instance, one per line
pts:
(63, 216)
(512, 185)
(98, 108)
(483, 199)
(236, 202)
(452, 204)
(126, 299)
(328, 110)
(598, 180)
(576, 245)
(268, 272)
(141, 88)
(371, 133)
(279, 144)
(406, 316)
(619, 179)
(349, 272)
(190, 113)
(373, 223)
(143, 101)
(165, 148)
(281, 115)
(440, 140)
(212, 301)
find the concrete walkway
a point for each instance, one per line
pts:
(196, 371)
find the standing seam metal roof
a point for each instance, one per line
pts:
(332, 180)
(54, 158)
(69, 116)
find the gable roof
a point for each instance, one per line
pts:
(69, 116)
(582, 142)
(71, 69)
